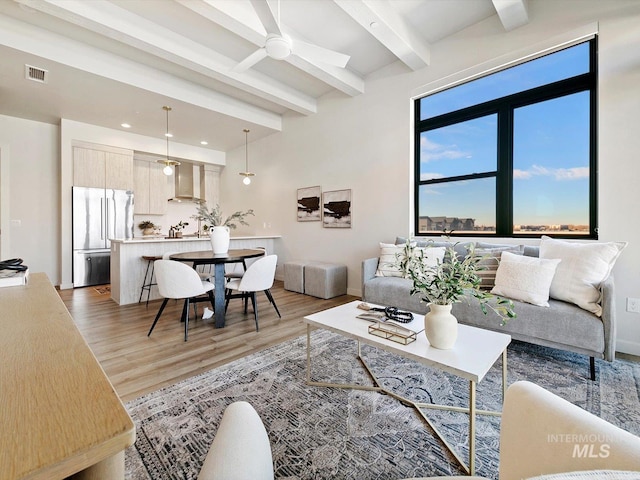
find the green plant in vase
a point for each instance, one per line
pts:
(445, 283)
(147, 227)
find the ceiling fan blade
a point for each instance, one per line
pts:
(266, 16)
(250, 61)
(315, 53)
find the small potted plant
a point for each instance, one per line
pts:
(218, 226)
(178, 228)
(147, 227)
(446, 283)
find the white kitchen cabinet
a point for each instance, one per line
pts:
(102, 166)
(150, 187)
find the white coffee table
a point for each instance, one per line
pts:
(475, 352)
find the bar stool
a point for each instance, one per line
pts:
(147, 286)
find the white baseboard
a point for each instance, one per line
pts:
(625, 346)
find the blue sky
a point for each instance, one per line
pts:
(551, 156)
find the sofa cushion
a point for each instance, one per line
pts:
(393, 292)
(527, 279)
(583, 268)
(558, 326)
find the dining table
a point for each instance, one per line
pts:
(218, 260)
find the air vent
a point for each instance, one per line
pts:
(36, 74)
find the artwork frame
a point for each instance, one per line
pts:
(308, 199)
(336, 209)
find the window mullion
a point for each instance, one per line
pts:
(504, 180)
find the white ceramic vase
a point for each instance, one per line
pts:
(220, 237)
(441, 327)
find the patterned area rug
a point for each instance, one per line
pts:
(322, 433)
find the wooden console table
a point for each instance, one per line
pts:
(59, 413)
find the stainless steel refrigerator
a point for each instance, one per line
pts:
(98, 215)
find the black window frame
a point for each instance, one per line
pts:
(504, 107)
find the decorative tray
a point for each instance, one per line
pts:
(393, 332)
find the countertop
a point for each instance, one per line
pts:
(162, 238)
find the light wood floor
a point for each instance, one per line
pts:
(137, 364)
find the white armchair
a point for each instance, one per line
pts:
(543, 434)
(241, 449)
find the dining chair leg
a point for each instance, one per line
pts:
(185, 315)
(164, 303)
(213, 301)
(273, 302)
(255, 308)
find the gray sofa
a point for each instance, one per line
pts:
(561, 325)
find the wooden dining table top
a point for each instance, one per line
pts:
(207, 256)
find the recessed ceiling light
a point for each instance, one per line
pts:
(170, 135)
(204, 142)
(125, 125)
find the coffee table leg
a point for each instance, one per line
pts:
(308, 354)
(472, 428)
(504, 375)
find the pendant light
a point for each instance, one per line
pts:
(168, 164)
(246, 174)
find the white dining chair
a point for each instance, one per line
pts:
(179, 281)
(204, 275)
(258, 277)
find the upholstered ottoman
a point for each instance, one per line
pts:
(325, 280)
(294, 276)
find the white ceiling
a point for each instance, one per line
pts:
(115, 61)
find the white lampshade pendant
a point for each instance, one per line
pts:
(168, 163)
(246, 174)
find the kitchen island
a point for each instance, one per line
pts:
(128, 268)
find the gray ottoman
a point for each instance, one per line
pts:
(325, 280)
(294, 276)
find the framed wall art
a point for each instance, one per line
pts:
(336, 208)
(309, 204)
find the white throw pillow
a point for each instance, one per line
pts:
(431, 256)
(525, 278)
(583, 268)
(388, 263)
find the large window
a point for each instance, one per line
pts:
(511, 153)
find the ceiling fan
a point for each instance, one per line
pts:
(279, 46)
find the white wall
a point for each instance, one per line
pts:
(30, 194)
(364, 144)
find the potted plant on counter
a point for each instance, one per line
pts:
(218, 226)
(147, 227)
(177, 229)
(445, 283)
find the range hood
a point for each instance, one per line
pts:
(187, 186)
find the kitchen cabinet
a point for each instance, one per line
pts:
(150, 187)
(101, 166)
